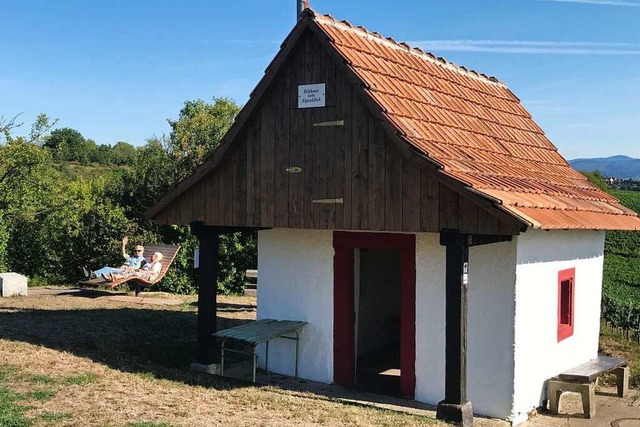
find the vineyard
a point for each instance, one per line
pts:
(621, 281)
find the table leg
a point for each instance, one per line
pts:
(255, 363)
(266, 357)
(297, 339)
(222, 357)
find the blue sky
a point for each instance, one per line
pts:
(117, 70)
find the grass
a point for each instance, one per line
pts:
(82, 379)
(116, 364)
(40, 395)
(55, 417)
(42, 379)
(7, 372)
(613, 343)
(12, 414)
(145, 424)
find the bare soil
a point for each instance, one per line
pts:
(88, 360)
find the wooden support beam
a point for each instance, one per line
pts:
(455, 407)
(209, 239)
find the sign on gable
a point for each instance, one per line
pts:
(311, 96)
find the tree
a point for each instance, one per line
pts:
(596, 178)
(123, 153)
(198, 131)
(102, 154)
(39, 128)
(67, 144)
(25, 178)
(151, 176)
(25, 170)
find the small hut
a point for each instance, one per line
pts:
(411, 212)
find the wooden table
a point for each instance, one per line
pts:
(258, 332)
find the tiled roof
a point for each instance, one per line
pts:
(477, 130)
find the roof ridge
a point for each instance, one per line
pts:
(403, 46)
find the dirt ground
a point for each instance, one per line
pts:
(96, 358)
(89, 360)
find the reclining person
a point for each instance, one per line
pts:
(131, 263)
(148, 272)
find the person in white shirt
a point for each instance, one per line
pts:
(148, 272)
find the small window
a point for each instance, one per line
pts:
(566, 309)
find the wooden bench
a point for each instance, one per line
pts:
(582, 379)
(251, 289)
(168, 252)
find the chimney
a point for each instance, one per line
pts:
(301, 6)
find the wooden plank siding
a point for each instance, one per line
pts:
(381, 188)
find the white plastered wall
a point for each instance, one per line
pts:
(295, 282)
(538, 355)
(490, 328)
(430, 316)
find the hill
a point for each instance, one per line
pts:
(73, 170)
(617, 166)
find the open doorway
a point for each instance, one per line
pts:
(377, 289)
(388, 255)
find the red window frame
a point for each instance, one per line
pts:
(566, 299)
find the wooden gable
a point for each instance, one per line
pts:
(286, 167)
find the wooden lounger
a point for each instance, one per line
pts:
(169, 253)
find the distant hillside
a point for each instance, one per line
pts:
(618, 166)
(73, 170)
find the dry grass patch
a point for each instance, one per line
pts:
(85, 360)
(613, 343)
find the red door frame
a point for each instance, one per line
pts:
(344, 244)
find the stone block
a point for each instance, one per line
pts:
(12, 284)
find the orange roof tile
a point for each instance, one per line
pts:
(477, 129)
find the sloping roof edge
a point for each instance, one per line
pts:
(436, 170)
(505, 212)
(254, 99)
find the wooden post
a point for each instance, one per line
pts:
(209, 238)
(455, 407)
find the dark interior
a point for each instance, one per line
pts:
(378, 321)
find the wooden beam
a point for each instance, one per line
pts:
(455, 407)
(209, 239)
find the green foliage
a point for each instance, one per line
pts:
(238, 253)
(4, 238)
(40, 395)
(7, 372)
(82, 379)
(25, 179)
(12, 414)
(621, 292)
(149, 424)
(198, 131)
(630, 199)
(80, 230)
(68, 144)
(55, 417)
(621, 280)
(123, 153)
(596, 178)
(58, 214)
(152, 175)
(42, 379)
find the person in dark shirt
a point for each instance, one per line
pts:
(132, 262)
